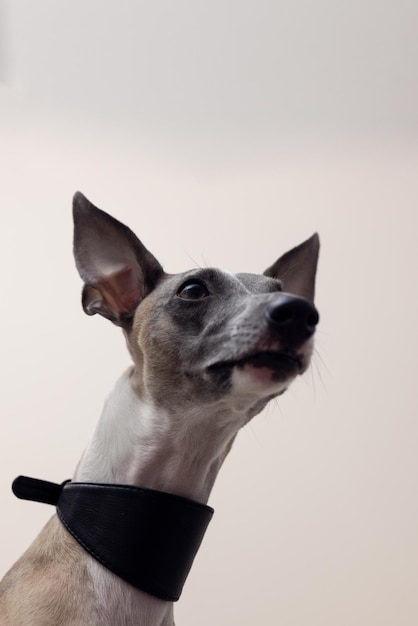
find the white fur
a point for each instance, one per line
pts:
(135, 443)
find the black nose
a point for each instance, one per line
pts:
(295, 317)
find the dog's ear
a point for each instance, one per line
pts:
(118, 271)
(297, 269)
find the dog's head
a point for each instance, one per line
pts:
(203, 336)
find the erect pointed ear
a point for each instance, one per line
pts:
(118, 271)
(297, 269)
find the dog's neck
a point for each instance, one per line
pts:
(141, 444)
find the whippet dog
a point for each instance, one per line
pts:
(210, 349)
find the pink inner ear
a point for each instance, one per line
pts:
(120, 291)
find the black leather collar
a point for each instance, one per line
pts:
(149, 538)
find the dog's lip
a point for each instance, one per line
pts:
(271, 359)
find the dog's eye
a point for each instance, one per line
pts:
(193, 291)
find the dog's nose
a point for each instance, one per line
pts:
(295, 317)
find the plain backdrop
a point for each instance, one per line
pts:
(225, 133)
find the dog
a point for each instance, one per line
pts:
(210, 349)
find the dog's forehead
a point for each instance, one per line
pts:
(222, 280)
(258, 283)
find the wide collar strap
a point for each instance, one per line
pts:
(147, 537)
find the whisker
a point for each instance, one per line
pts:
(277, 403)
(316, 361)
(320, 331)
(312, 375)
(195, 263)
(253, 432)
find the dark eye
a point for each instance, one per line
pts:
(193, 291)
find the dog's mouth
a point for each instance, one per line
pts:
(281, 362)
